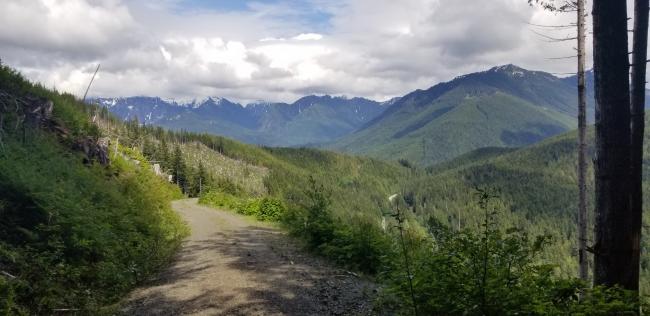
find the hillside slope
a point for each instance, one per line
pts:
(80, 226)
(506, 106)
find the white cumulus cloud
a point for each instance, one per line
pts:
(371, 48)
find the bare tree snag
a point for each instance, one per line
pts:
(583, 271)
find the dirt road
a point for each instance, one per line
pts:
(232, 265)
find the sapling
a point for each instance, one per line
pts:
(400, 218)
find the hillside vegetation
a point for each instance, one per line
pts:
(338, 206)
(361, 185)
(74, 236)
(537, 184)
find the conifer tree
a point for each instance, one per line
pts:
(178, 169)
(200, 180)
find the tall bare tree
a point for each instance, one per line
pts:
(579, 7)
(583, 264)
(617, 237)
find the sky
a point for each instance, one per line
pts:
(274, 50)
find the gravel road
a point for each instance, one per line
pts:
(233, 265)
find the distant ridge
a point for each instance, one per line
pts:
(311, 119)
(504, 106)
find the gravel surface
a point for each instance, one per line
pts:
(232, 265)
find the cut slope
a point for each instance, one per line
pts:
(76, 232)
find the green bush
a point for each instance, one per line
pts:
(358, 243)
(270, 209)
(220, 199)
(264, 209)
(249, 207)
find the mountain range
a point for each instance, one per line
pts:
(505, 106)
(309, 120)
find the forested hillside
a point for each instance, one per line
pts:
(537, 184)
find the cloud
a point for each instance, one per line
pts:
(70, 27)
(308, 37)
(275, 51)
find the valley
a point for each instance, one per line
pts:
(506, 106)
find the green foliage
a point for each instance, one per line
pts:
(491, 272)
(200, 180)
(8, 305)
(270, 209)
(357, 243)
(81, 236)
(227, 186)
(220, 199)
(264, 209)
(179, 169)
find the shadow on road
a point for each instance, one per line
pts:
(250, 270)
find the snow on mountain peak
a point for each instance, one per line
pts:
(510, 69)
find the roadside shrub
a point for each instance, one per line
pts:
(220, 199)
(358, 243)
(249, 207)
(77, 236)
(265, 209)
(270, 209)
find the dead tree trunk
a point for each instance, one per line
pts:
(637, 95)
(583, 272)
(616, 240)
